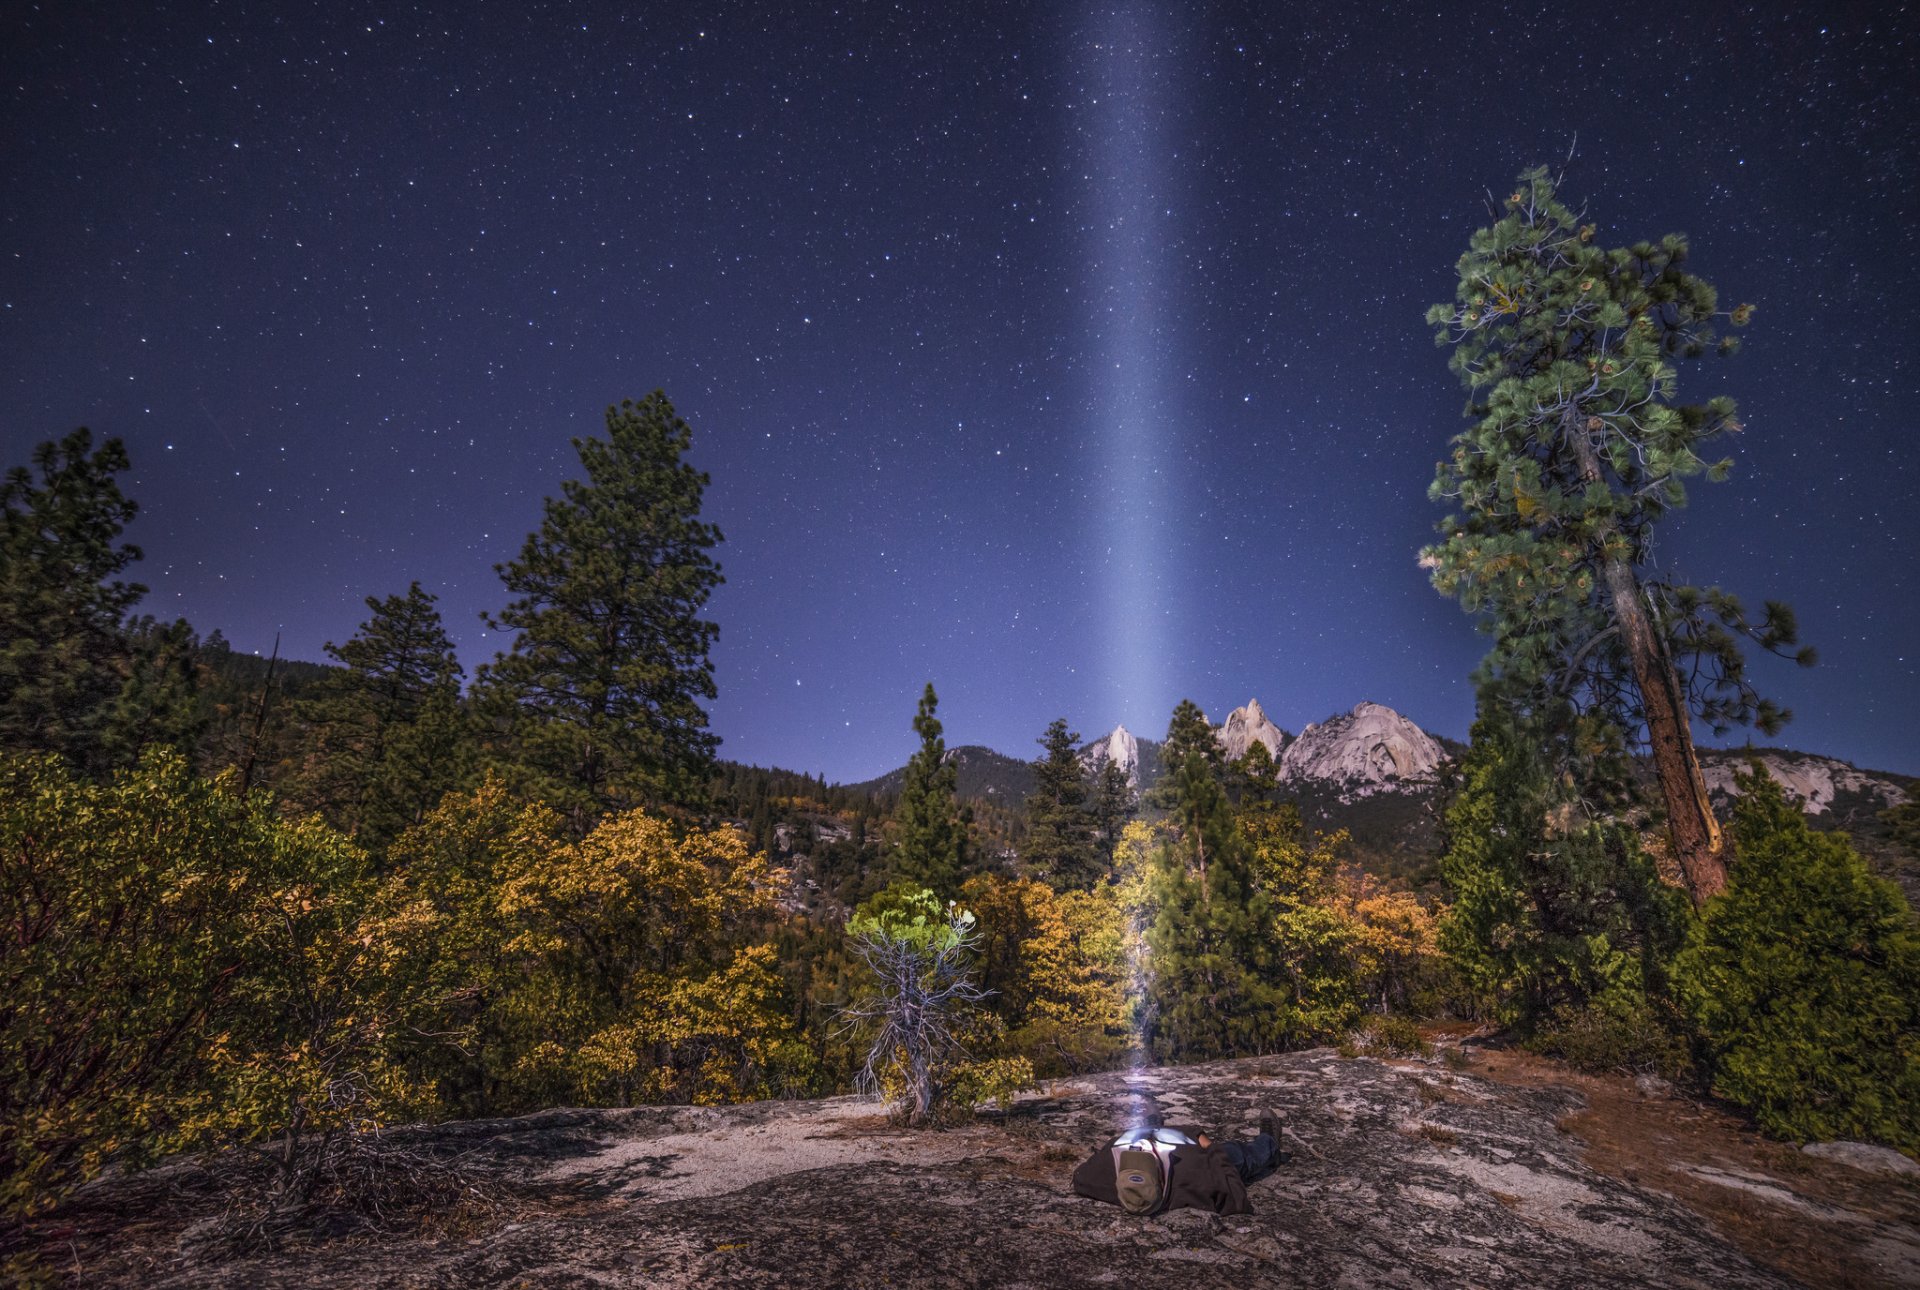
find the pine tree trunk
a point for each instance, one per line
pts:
(1696, 834)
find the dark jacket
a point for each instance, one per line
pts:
(1198, 1178)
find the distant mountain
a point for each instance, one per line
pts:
(983, 774)
(1370, 750)
(1822, 785)
(1247, 726)
(1140, 758)
(1376, 774)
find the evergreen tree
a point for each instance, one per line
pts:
(1576, 451)
(1189, 733)
(161, 701)
(1804, 980)
(64, 657)
(386, 729)
(1210, 995)
(422, 761)
(932, 844)
(1255, 778)
(1313, 944)
(1551, 909)
(602, 685)
(1113, 806)
(1060, 842)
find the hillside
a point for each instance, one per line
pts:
(984, 775)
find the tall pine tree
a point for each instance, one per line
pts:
(932, 846)
(1210, 992)
(1060, 842)
(1189, 734)
(1112, 806)
(64, 656)
(1577, 450)
(1548, 909)
(602, 686)
(386, 730)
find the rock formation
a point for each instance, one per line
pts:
(1248, 726)
(1369, 750)
(1814, 782)
(1403, 1175)
(1119, 747)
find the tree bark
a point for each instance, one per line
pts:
(1697, 843)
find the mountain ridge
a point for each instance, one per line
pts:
(1378, 775)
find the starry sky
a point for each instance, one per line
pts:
(1068, 355)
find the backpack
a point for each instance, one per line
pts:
(1143, 1169)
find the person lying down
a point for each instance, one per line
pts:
(1154, 1168)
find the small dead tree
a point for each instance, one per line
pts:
(919, 952)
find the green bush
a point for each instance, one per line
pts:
(1549, 907)
(1803, 978)
(992, 1079)
(1385, 1036)
(1618, 1030)
(183, 968)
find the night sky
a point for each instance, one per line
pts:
(1069, 356)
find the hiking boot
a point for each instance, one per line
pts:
(1273, 1127)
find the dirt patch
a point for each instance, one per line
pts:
(1822, 1223)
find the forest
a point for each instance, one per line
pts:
(276, 907)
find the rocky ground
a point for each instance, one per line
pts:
(1487, 1169)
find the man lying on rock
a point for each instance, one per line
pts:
(1155, 1168)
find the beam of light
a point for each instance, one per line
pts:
(1122, 49)
(1124, 54)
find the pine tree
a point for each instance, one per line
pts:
(161, 701)
(1576, 451)
(1255, 778)
(1189, 733)
(1210, 994)
(602, 684)
(386, 730)
(63, 654)
(1803, 979)
(932, 844)
(1549, 909)
(1113, 805)
(422, 761)
(1060, 842)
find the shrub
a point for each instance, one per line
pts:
(1618, 1030)
(184, 969)
(1381, 1036)
(1550, 907)
(993, 1079)
(171, 950)
(923, 997)
(627, 967)
(1803, 978)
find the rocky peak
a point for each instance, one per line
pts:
(1368, 750)
(1245, 727)
(1119, 747)
(1816, 783)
